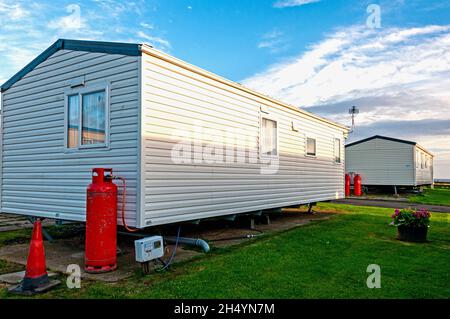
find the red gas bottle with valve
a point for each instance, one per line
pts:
(347, 185)
(357, 184)
(101, 222)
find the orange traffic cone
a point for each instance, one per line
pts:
(36, 278)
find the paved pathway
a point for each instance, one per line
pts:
(392, 204)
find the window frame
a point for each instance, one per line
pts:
(268, 116)
(417, 159)
(81, 91)
(315, 146)
(334, 148)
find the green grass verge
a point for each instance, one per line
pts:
(437, 196)
(16, 236)
(325, 259)
(8, 267)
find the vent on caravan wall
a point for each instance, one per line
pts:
(80, 81)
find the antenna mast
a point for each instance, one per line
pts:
(353, 111)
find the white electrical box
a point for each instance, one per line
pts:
(149, 248)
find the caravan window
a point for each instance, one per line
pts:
(87, 117)
(310, 146)
(417, 159)
(94, 119)
(73, 121)
(269, 138)
(337, 150)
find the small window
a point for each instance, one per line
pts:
(311, 146)
(337, 150)
(417, 159)
(269, 138)
(422, 161)
(94, 118)
(87, 119)
(73, 121)
(426, 161)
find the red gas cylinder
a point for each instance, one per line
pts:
(347, 185)
(101, 222)
(357, 185)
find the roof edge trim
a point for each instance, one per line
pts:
(390, 139)
(190, 67)
(74, 45)
(382, 138)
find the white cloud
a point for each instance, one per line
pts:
(147, 25)
(17, 36)
(353, 61)
(115, 8)
(405, 34)
(71, 22)
(20, 57)
(155, 41)
(28, 27)
(293, 3)
(390, 74)
(13, 11)
(273, 41)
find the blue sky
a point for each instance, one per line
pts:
(316, 54)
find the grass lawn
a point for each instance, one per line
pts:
(437, 196)
(325, 259)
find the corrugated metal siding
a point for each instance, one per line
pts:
(38, 176)
(174, 99)
(381, 162)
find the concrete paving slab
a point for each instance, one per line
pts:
(63, 252)
(16, 277)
